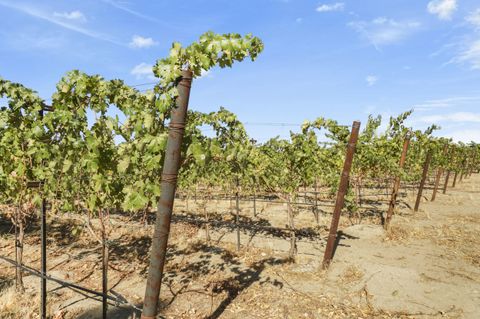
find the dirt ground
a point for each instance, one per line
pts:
(426, 266)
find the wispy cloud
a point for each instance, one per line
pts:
(206, 74)
(383, 31)
(468, 50)
(126, 9)
(469, 53)
(458, 101)
(143, 71)
(73, 15)
(338, 6)
(466, 135)
(140, 42)
(36, 13)
(443, 9)
(474, 18)
(371, 80)
(458, 117)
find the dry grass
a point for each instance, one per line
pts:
(15, 305)
(405, 232)
(460, 236)
(352, 274)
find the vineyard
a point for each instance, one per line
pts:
(118, 203)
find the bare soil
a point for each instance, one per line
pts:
(427, 265)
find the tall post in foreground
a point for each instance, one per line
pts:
(165, 205)
(43, 280)
(422, 182)
(396, 185)
(342, 191)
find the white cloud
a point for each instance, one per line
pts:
(143, 71)
(299, 20)
(442, 8)
(123, 8)
(469, 53)
(73, 15)
(468, 48)
(371, 80)
(141, 42)
(34, 12)
(474, 18)
(466, 135)
(383, 31)
(338, 6)
(206, 74)
(457, 101)
(458, 117)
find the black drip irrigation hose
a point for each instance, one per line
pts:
(65, 284)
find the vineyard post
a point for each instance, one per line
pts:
(237, 212)
(315, 208)
(474, 160)
(455, 179)
(462, 171)
(437, 181)
(43, 250)
(446, 182)
(342, 191)
(43, 280)
(254, 202)
(396, 185)
(104, 266)
(422, 182)
(17, 268)
(165, 205)
(438, 176)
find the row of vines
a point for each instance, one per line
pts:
(99, 147)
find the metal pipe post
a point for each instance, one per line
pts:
(43, 280)
(168, 185)
(446, 182)
(342, 191)
(422, 182)
(455, 179)
(237, 213)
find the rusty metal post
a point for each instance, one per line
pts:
(104, 267)
(422, 182)
(439, 175)
(396, 185)
(446, 182)
(437, 182)
(315, 207)
(254, 202)
(455, 179)
(237, 212)
(473, 164)
(171, 166)
(342, 191)
(43, 280)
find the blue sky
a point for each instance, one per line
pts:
(337, 59)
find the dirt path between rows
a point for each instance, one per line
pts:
(426, 266)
